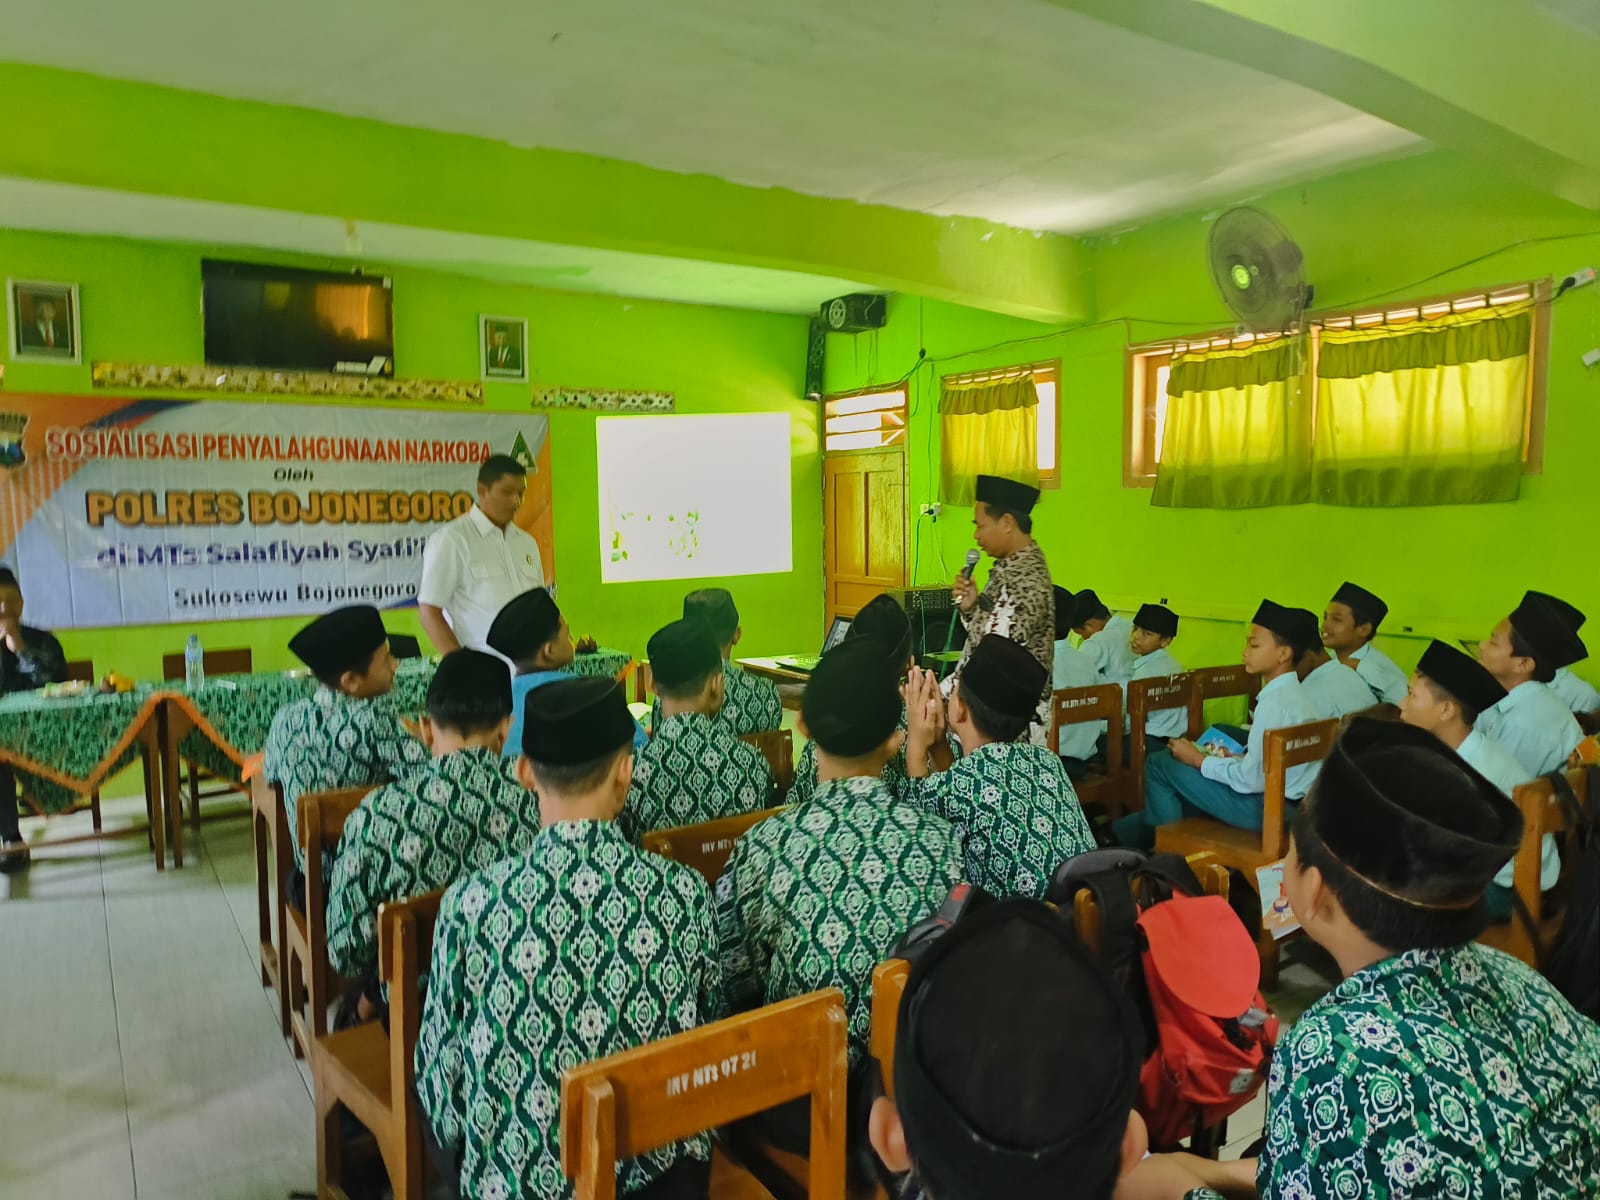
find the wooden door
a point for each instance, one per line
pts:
(864, 527)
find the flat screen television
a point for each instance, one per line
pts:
(287, 318)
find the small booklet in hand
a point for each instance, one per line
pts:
(1217, 743)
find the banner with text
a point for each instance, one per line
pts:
(132, 511)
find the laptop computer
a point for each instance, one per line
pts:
(806, 663)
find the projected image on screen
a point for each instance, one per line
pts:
(693, 497)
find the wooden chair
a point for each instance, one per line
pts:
(644, 684)
(1146, 696)
(303, 959)
(216, 662)
(635, 1101)
(368, 1072)
(1244, 850)
(1100, 702)
(1214, 683)
(888, 985)
(777, 745)
(1542, 813)
(708, 846)
(81, 670)
(273, 864)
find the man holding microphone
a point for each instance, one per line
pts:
(1018, 601)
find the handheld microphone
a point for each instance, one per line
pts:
(972, 563)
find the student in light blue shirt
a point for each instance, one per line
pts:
(532, 633)
(1184, 780)
(1335, 690)
(1104, 637)
(1448, 694)
(1349, 624)
(1579, 694)
(1072, 668)
(1523, 654)
(1154, 627)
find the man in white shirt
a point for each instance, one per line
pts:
(478, 562)
(1523, 654)
(1448, 694)
(1349, 624)
(1335, 689)
(1154, 627)
(1072, 668)
(1580, 695)
(1105, 637)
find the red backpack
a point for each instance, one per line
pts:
(1209, 1034)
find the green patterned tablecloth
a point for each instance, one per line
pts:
(62, 750)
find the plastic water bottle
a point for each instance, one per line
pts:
(194, 664)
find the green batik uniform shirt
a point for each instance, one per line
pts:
(1437, 1073)
(580, 948)
(750, 704)
(459, 814)
(1015, 812)
(331, 740)
(693, 770)
(817, 897)
(894, 774)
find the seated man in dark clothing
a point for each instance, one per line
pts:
(29, 659)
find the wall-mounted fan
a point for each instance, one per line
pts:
(1257, 269)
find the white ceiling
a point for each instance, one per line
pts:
(64, 208)
(1015, 110)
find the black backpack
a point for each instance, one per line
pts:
(1572, 960)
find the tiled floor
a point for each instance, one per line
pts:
(139, 1055)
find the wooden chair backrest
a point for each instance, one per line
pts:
(405, 946)
(1098, 702)
(708, 846)
(644, 684)
(1146, 696)
(321, 817)
(777, 746)
(630, 1103)
(238, 661)
(888, 985)
(1291, 746)
(80, 670)
(1210, 683)
(1087, 918)
(1542, 813)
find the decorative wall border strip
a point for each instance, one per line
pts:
(236, 380)
(606, 401)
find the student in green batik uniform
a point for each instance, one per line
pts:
(1010, 801)
(884, 621)
(1015, 1069)
(694, 768)
(750, 704)
(1439, 1067)
(460, 813)
(349, 733)
(817, 896)
(580, 948)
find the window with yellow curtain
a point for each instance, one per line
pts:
(1430, 412)
(987, 428)
(1238, 428)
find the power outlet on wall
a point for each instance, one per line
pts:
(932, 510)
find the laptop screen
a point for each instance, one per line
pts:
(836, 633)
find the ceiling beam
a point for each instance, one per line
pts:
(1498, 79)
(87, 130)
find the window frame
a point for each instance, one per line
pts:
(1046, 370)
(1143, 361)
(895, 444)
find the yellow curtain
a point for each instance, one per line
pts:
(1430, 412)
(1238, 429)
(987, 429)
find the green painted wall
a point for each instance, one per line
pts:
(1394, 231)
(141, 302)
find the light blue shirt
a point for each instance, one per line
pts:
(1578, 694)
(1163, 722)
(1110, 652)
(1336, 690)
(1281, 703)
(1377, 670)
(1075, 669)
(521, 685)
(1499, 766)
(1535, 725)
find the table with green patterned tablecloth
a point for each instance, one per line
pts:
(64, 749)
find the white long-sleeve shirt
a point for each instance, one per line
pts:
(1109, 648)
(1378, 671)
(1534, 724)
(1579, 694)
(1280, 703)
(1337, 691)
(1163, 722)
(1500, 767)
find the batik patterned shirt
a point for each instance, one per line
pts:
(1436, 1073)
(331, 740)
(694, 770)
(817, 897)
(1018, 602)
(1015, 811)
(459, 814)
(580, 948)
(750, 704)
(894, 774)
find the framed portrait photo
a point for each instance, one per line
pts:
(44, 321)
(503, 348)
